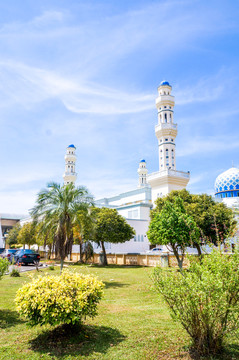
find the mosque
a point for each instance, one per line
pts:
(135, 205)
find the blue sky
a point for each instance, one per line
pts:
(87, 72)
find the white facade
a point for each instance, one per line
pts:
(167, 178)
(70, 175)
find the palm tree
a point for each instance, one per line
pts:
(56, 209)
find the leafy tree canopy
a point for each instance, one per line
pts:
(27, 234)
(174, 227)
(12, 238)
(214, 219)
(111, 227)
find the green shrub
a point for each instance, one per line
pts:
(51, 267)
(4, 263)
(204, 299)
(15, 273)
(67, 298)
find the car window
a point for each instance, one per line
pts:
(29, 251)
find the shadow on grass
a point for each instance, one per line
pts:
(110, 266)
(76, 340)
(114, 284)
(9, 318)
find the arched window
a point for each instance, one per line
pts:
(165, 117)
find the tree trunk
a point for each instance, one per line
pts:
(81, 253)
(105, 263)
(62, 262)
(198, 247)
(180, 261)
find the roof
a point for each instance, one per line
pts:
(72, 146)
(164, 82)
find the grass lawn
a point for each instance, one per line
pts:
(133, 323)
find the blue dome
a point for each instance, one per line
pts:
(72, 146)
(142, 160)
(164, 82)
(227, 183)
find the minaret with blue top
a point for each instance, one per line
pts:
(167, 178)
(142, 171)
(70, 175)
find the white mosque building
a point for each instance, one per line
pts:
(135, 205)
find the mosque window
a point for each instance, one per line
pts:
(138, 237)
(166, 139)
(164, 92)
(169, 107)
(165, 116)
(142, 238)
(161, 150)
(135, 238)
(172, 164)
(167, 149)
(165, 107)
(171, 139)
(166, 157)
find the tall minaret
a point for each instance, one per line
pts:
(166, 130)
(167, 178)
(142, 171)
(70, 175)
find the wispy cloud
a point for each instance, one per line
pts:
(29, 85)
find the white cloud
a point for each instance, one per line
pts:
(29, 85)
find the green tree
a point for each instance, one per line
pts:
(12, 238)
(111, 227)
(57, 208)
(174, 227)
(27, 234)
(215, 221)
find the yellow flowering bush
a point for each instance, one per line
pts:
(54, 300)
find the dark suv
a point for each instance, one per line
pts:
(26, 256)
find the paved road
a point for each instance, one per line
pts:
(24, 268)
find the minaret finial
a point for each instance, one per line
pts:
(70, 175)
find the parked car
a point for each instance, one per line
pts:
(155, 250)
(26, 256)
(1, 250)
(8, 254)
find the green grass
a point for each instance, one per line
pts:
(133, 324)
